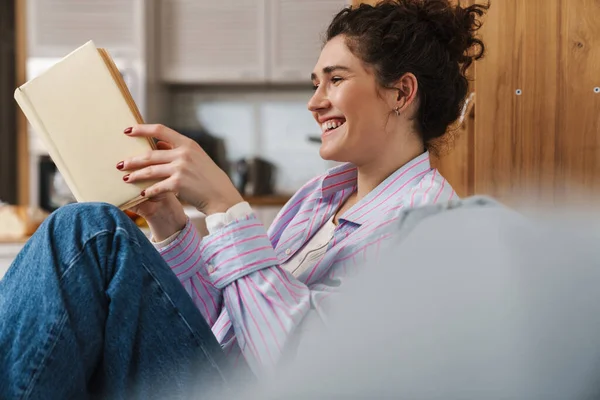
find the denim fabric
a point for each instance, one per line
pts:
(90, 309)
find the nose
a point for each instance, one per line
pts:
(319, 100)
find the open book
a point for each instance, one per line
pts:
(80, 107)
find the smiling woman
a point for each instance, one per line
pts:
(389, 80)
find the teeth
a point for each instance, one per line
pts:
(330, 125)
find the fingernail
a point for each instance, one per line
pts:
(126, 178)
(143, 194)
(120, 165)
(128, 130)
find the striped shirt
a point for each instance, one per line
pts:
(235, 278)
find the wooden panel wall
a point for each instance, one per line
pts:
(543, 143)
(578, 114)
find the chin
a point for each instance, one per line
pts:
(332, 153)
(334, 146)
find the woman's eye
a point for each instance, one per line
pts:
(315, 87)
(336, 79)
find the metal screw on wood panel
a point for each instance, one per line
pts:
(518, 92)
(597, 90)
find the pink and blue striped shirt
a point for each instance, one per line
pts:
(234, 276)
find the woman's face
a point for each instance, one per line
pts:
(346, 104)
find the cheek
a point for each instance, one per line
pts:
(347, 98)
(360, 105)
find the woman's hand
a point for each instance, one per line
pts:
(155, 205)
(163, 213)
(181, 167)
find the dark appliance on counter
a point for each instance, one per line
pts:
(254, 177)
(53, 190)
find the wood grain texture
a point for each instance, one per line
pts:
(542, 146)
(499, 110)
(578, 115)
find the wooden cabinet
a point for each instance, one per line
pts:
(537, 127)
(213, 41)
(296, 36)
(55, 28)
(239, 41)
(124, 27)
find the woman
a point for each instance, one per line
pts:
(90, 307)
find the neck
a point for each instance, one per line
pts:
(371, 174)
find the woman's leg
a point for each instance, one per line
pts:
(89, 307)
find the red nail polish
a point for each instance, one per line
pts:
(143, 194)
(126, 178)
(128, 130)
(120, 165)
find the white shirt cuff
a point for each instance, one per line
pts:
(166, 242)
(218, 221)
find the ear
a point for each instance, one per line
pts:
(406, 91)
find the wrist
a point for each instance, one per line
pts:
(167, 221)
(216, 208)
(221, 206)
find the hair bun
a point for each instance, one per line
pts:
(454, 26)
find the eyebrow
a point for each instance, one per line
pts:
(329, 70)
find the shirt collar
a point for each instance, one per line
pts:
(337, 179)
(390, 191)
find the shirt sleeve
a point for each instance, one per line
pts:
(181, 251)
(265, 303)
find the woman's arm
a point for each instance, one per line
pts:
(182, 254)
(265, 304)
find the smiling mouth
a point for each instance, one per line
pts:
(331, 125)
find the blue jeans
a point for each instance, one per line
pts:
(90, 309)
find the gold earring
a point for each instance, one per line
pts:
(397, 111)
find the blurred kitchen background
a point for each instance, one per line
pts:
(234, 75)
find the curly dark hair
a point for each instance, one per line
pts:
(432, 39)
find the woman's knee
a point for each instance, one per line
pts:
(73, 217)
